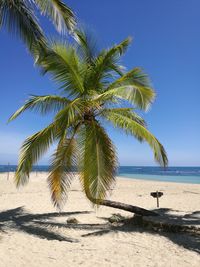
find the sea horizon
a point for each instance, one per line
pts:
(178, 174)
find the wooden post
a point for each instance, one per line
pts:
(157, 196)
(8, 173)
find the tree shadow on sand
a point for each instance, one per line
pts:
(35, 224)
(188, 240)
(42, 225)
(190, 221)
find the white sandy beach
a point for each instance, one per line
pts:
(33, 234)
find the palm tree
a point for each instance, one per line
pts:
(19, 17)
(94, 90)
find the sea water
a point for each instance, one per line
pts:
(171, 174)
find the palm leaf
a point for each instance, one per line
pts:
(61, 173)
(42, 104)
(127, 112)
(135, 87)
(61, 15)
(98, 161)
(31, 151)
(138, 130)
(86, 46)
(62, 63)
(19, 19)
(69, 115)
(106, 63)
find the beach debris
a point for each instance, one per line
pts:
(116, 218)
(72, 220)
(157, 195)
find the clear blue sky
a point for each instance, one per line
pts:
(166, 44)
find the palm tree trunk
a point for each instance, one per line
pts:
(121, 206)
(127, 207)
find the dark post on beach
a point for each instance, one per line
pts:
(157, 195)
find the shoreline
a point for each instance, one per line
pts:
(121, 177)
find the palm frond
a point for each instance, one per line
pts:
(19, 19)
(138, 130)
(127, 112)
(86, 45)
(119, 49)
(135, 87)
(32, 149)
(60, 14)
(98, 161)
(62, 63)
(42, 104)
(69, 115)
(61, 172)
(106, 63)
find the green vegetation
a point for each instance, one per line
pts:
(19, 17)
(94, 89)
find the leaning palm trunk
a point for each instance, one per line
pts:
(91, 96)
(126, 207)
(122, 206)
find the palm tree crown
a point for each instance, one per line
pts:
(19, 17)
(94, 90)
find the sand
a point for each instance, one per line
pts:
(33, 233)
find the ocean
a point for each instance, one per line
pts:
(189, 175)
